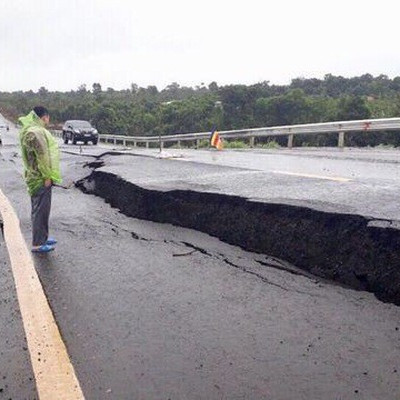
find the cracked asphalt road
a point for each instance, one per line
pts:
(153, 311)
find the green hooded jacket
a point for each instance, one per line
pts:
(40, 153)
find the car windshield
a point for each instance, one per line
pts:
(81, 124)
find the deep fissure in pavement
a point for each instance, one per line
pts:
(345, 248)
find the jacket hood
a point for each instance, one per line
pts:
(31, 120)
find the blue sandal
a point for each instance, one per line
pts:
(51, 241)
(44, 248)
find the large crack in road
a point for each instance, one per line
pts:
(350, 249)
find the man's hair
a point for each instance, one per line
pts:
(40, 111)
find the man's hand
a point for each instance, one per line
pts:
(48, 183)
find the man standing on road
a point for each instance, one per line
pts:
(41, 160)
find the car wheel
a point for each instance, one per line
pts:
(65, 139)
(73, 139)
(95, 141)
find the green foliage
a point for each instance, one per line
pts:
(204, 144)
(138, 111)
(352, 108)
(235, 144)
(271, 144)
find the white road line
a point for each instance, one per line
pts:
(54, 373)
(328, 178)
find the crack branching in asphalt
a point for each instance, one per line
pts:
(263, 278)
(133, 234)
(205, 252)
(290, 269)
(277, 264)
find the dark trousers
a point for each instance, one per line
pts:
(41, 204)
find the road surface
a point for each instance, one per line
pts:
(156, 311)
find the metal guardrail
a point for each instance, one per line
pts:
(340, 127)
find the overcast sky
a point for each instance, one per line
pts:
(61, 44)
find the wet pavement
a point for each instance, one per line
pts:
(354, 181)
(155, 311)
(373, 192)
(16, 376)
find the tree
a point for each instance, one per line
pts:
(105, 119)
(213, 86)
(96, 88)
(43, 92)
(352, 108)
(291, 108)
(134, 88)
(82, 88)
(152, 90)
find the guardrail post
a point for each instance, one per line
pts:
(147, 145)
(197, 144)
(115, 141)
(124, 142)
(179, 144)
(252, 140)
(290, 141)
(135, 144)
(341, 140)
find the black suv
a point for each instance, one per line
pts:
(79, 131)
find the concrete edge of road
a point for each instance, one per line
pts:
(54, 374)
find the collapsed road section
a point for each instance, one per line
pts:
(353, 250)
